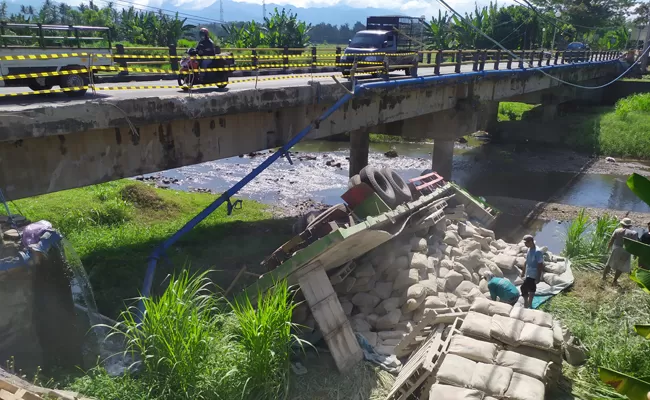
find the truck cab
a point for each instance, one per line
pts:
(393, 38)
(41, 56)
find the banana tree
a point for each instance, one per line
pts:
(438, 32)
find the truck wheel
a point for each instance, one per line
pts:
(380, 185)
(402, 191)
(74, 80)
(37, 84)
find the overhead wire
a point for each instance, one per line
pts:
(169, 13)
(514, 56)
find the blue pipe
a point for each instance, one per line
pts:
(160, 250)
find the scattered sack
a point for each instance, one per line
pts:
(371, 337)
(453, 279)
(365, 300)
(472, 260)
(536, 336)
(466, 231)
(433, 302)
(476, 325)
(382, 290)
(467, 290)
(419, 261)
(504, 261)
(554, 279)
(386, 335)
(555, 268)
(493, 267)
(364, 270)
(401, 262)
(490, 307)
(406, 278)
(575, 353)
(485, 232)
(469, 245)
(388, 321)
(506, 329)
(499, 244)
(449, 298)
(451, 238)
(419, 245)
(446, 392)
(491, 379)
(522, 364)
(460, 268)
(558, 336)
(360, 325)
(475, 350)
(536, 317)
(412, 304)
(388, 305)
(347, 307)
(524, 387)
(455, 370)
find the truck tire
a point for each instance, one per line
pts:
(37, 84)
(373, 177)
(402, 191)
(74, 80)
(354, 181)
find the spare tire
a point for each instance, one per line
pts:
(402, 191)
(354, 181)
(373, 177)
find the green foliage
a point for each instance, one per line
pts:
(636, 103)
(586, 240)
(509, 111)
(281, 29)
(98, 384)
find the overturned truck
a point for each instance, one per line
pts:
(397, 279)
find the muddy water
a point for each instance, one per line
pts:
(320, 173)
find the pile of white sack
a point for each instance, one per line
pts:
(392, 286)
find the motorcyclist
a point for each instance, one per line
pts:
(205, 48)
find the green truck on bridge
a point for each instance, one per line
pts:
(395, 40)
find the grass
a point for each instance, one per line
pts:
(602, 317)
(586, 240)
(115, 226)
(511, 111)
(191, 344)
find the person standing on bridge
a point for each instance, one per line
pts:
(205, 48)
(620, 259)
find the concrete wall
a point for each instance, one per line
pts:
(51, 147)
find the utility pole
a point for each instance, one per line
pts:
(263, 9)
(221, 11)
(646, 45)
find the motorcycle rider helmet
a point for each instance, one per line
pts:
(204, 33)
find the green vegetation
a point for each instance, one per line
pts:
(586, 240)
(115, 226)
(603, 318)
(510, 111)
(191, 344)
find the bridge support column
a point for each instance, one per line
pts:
(442, 158)
(549, 112)
(489, 117)
(359, 148)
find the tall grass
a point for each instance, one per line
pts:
(636, 103)
(586, 240)
(192, 344)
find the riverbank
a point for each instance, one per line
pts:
(115, 226)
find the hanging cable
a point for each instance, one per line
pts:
(517, 58)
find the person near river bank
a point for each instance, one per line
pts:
(501, 289)
(619, 260)
(532, 271)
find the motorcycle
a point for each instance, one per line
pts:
(190, 74)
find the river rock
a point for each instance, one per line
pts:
(382, 290)
(365, 300)
(364, 270)
(389, 321)
(406, 278)
(388, 305)
(419, 261)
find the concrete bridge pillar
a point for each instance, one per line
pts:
(442, 158)
(359, 147)
(489, 117)
(549, 112)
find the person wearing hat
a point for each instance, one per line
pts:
(619, 259)
(501, 289)
(532, 271)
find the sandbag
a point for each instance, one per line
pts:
(365, 284)
(575, 353)
(475, 350)
(506, 329)
(484, 242)
(464, 288)
(347, 307)
(441, 284)
(364, 270)
(382, 290)
(536, 336)
(472, 260)
(483, 286)
(522, 364)
(447, 264)
(385, 350)
(388, 305)
(453, 279)
(415, 291)
(388, 321)
(419, 245)
(555, 268)
(524, 387)
(491, 379)
(365, 300)
(372, 319)
(430, 285)
(490, 307)
(466, 231)
(536, 317)
(401, 262)
(406, 278)
(493, 267)
(558, 335)
(476, 325)
(433, 302)
(386, 263)
(462, 302)
(359, 324)
(449, 298)
(447, 392)
(419, 261)
(520, 261)
(485, 232)
(455, 370)
(371, 337)
(504, 261)
(499, 244)
(469, 245)
(391, 342)
(451, 238)
(461, 269)
(385, 335)
(412, 304)
(554, 279)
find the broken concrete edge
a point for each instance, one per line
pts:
(49, 119)
(303, 258)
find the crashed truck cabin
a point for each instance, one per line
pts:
(393, 276)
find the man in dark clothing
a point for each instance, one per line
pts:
(205, 48)
(645, 239)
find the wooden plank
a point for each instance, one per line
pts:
(430, 318)
(329, 316)
(4, 395)
(8, 386)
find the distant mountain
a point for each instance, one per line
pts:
(236, 11)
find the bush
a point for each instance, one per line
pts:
(639, 102)
(586, 241)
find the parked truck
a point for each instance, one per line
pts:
(395, 40)
(47, 50)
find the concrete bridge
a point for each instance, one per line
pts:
(58, 143)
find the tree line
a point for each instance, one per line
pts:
(603, 24)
